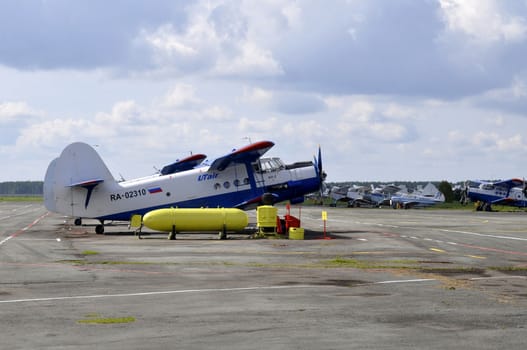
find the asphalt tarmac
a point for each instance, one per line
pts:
(387, 279)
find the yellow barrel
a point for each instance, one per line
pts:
(266, 216)
(196, 219)
(296, 233)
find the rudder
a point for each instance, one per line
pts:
(64, 189)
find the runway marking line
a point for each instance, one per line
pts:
(36, 221)
(496, 250)
(207, 290)
(484, 235)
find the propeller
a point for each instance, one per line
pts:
(464, 194)
(318, 165)
(524, 190)
(320, 172)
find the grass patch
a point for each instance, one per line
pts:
(472, 207)
(453, 270)
(509, 268)
(21, 198)
(506, 208)
(90, 252)
(107, 262)
(453, 205)
(357, 264)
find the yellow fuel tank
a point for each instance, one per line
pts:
(196, 219)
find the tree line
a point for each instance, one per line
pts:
(21, 188)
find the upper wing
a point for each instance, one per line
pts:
(510, 183)
(245, 154)
(183, 164)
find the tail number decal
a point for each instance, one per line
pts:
(128, 194)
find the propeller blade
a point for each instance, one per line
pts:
(319, 160)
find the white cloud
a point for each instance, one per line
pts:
(250, 61)
(516, 91)
(181, 96)
(496, 121)
(493, 142)
(311, 130)
(442, 93)
(359, 112)
(53, 132)
(216, 41)
(482, 21)
(11, 111)
(123, 113)
(217, 114)
(249, 126)
(456, 136)
(257, 95)
(513, 143)
(398, 111)
(167, 42)
(375, 121)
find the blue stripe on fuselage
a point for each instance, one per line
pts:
(227, 200)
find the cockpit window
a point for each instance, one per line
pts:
(268, 165)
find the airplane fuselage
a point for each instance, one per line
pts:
(188, 189)
(488, 193)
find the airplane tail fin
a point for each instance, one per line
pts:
(71, 179)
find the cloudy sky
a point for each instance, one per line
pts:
(391, 90)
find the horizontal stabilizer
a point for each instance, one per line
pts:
(245, 154)
(87, 183)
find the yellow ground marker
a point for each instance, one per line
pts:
(437, 250)
(476, 256)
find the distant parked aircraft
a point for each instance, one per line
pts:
(511, 192)
(426, 197)
(364, 196)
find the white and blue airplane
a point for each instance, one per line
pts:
(511, 192)
(78, 184)
(428, 196)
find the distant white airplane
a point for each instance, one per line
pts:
(79, 184)
(363, 196)
(426, 197)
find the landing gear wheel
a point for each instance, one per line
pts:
(78, 222)
(267, 199)
(99, 229)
